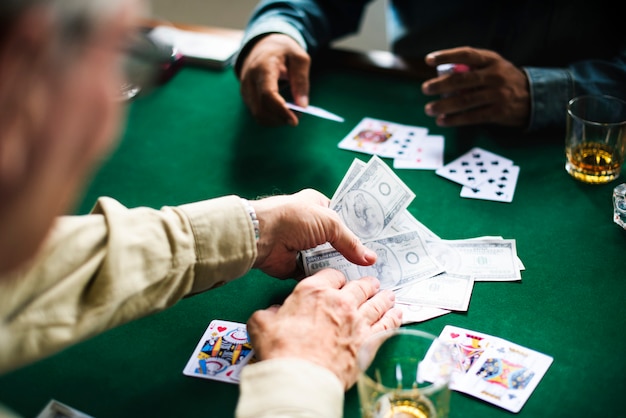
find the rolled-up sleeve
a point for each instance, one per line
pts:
(289, 388)
(116, 264)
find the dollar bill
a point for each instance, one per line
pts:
(402, 259)
(353, 171)
(371, 202)
(484, 259)
(445, 291)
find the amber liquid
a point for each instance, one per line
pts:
(409, 409)
(593, 163)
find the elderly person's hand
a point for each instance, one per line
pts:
(273, 58)
(325, 320)
(494, 91)
(292, 223)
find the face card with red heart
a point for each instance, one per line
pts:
(494, 369)
(221, 353)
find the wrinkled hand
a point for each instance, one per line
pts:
(292, 223)
(325, 320)
(275, 57)
(494, 92)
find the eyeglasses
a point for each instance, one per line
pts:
(147, 63)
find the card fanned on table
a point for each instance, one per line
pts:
(483, 175)
(431, 276)
(409, 146)
(221, 353)
(492, 369)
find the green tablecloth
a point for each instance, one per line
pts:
(193, 139)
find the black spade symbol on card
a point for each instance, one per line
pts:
(499, 193)
(501, 186)
(503, 178)
(476, 155)
(495, 162)
(464, 163)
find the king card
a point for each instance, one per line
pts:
(506, 375)
(493, 369)
(222, 352)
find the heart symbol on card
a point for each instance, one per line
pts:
(454, 334)
(221, 329)
(229, 373)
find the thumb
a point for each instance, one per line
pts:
(350, 246)
(299, 79)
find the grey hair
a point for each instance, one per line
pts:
(76, 19)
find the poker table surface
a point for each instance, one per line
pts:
(192, 138)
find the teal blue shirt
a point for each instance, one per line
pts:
(566, 48)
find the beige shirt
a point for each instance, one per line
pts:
(116, 264)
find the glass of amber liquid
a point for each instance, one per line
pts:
(404, 373)
(595, 139)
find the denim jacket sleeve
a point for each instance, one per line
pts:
(552, 88)
(313, 24)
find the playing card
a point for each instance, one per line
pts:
(222, 352)
(506, 374)
(56, 409)
(383, 138)
(498, 186)
(315, 111)
(426, 154)
(473, 167)
(493, 369)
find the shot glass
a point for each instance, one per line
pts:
(595, 139)
(404, 373)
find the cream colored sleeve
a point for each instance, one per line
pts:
(289, 388)
(117, 264)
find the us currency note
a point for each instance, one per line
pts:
(445, 291)
(402, 259)
(371, 202)
(353, 171)
(484, 259)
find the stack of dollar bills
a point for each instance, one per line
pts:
(431, 276)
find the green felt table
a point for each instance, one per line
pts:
(193, 139)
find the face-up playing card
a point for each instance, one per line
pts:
(473, 167)
(493, 369)
(498, 186)
(426, 154)
(383, 138)
(506, 375)
(222, 352)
